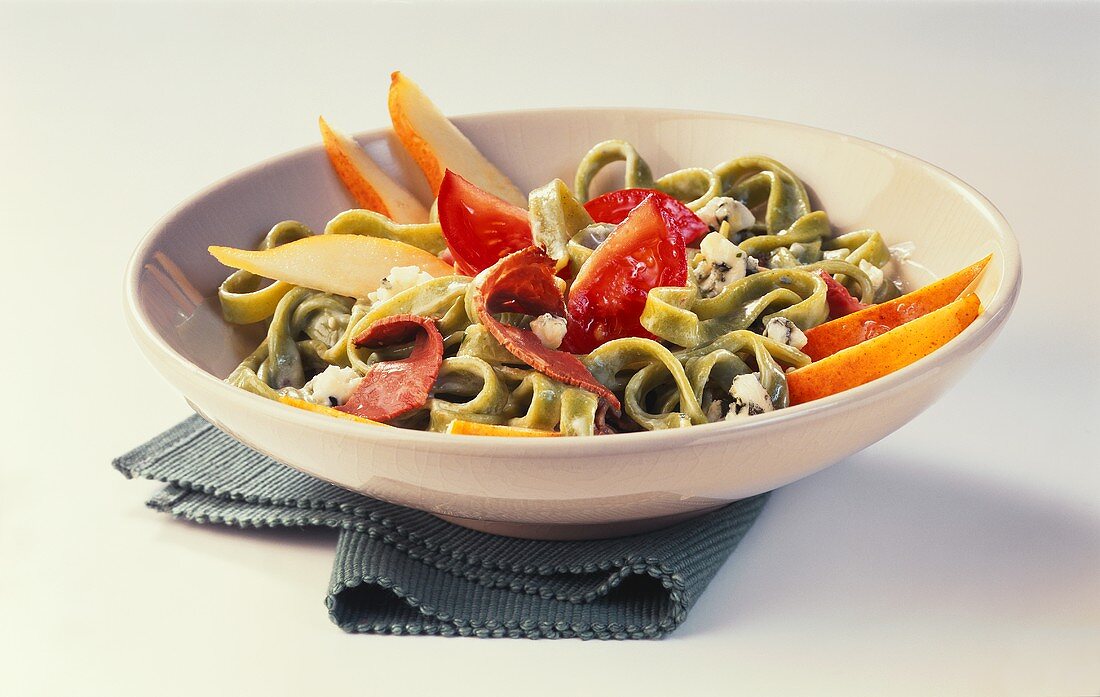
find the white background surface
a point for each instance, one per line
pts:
(959, 556)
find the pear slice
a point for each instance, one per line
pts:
(327, 411)
(826, 339)
(473, 428)
(883, 354)
(350, 265)
(371, 188)
(436, 145)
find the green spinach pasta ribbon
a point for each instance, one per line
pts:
(684, 318)
(684, 376)
(244, 299)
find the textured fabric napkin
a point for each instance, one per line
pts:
(400, 571)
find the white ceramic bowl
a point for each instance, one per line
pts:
(570, 487)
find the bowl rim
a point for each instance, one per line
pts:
(978, 333)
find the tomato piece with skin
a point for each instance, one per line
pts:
(606, 300)
(613, 207)
(480, 229)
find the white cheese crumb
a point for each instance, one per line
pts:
(785, 331)
(799, 250)
(579, 425)
(723, 263)
(903, 250)
(900, 254)
(332, 387)
(549, 329)
(723, 209)
(677, 419)
(714, 411)
(782, 258)
(398, 279)
(836, 254)
(595, 234)
(873, 272)
(749, 397)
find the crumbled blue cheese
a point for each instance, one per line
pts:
(899, 254)
(595, 234)
(723, 263)
(714, 411)
(902, 251)
(784, 331)
(332, 387)
(782, 258)
(723, 209)
(799, 250)
(578, 426)
(749, 397)
(873, 272)
(549, 329)
(398, 279)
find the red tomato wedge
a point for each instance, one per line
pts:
(524, 282)
(394, 388)
(606, 299)
(615, 206)
(840, 301)
(480, 228)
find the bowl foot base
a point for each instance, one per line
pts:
(575, 531)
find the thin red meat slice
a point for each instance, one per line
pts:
(524, 282)
(840, 301)
(394, 388)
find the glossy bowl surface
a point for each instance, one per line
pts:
(570, 487)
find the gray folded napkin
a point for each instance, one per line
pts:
(401, 571)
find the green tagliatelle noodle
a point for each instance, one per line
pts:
(681, 376)
(681, 317)
(244, 298)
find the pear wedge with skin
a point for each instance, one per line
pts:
(372, 189)
(350, 265)
(882, 355)
(826, 339)
(473, 428)
(437, 145)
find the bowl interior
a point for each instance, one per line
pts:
(174, 280)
